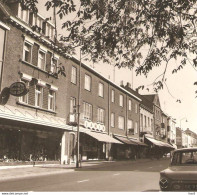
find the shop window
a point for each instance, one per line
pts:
(87, 111)
(112, 96)
(87, 82)
(100, 115)
(72, 105)
(130, 105)
(24, 99)
(38, 96)
(112, 119)
(41, 60)
(121, 122)
(121, 100)
(101, 90)
(74, 75)
(51, 100)
(27, 52)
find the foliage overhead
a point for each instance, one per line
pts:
(120, 29)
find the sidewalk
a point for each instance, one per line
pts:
(24, 171)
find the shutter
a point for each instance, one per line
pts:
(45, 97)
(35, 54)
(31, 95)
(48, 61)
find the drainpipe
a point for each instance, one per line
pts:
(109, 120)
(3, 60)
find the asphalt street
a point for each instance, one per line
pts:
(122, 176)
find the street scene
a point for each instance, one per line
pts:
(105, 176)
(98, 95)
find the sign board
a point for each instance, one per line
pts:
(4, 96)
(18, 89)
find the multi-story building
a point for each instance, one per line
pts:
(184, 140)
(41, 125)
(157, 119)
(178, 137)
(164, 125)
(171, 130)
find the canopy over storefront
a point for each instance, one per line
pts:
(159, 143)
(101, 137)
(138, 142)
(32, 117)
(125, 140)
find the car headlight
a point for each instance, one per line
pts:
(164, 183)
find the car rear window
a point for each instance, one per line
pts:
(184, 158)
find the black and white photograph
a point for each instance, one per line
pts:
(98, 96)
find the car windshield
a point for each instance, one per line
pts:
(184, 158)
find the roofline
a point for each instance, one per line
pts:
(104, 78)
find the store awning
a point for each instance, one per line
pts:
(159, 143)
(125, 140)
(138, 142)
(32, 117)
(101, 137)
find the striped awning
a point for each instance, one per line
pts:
(101, 137)
(125, 140)
(159, 143)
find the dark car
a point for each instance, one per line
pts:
(181, 175)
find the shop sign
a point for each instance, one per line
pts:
(18, 89)
(94, 126)
(4, 96)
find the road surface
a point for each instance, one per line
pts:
(121, 176)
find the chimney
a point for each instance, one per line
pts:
(128, 84)
(137, 90)
(122, 83)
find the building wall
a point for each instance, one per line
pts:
(144, 126)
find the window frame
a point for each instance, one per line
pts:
(121, 127)
(101, 115)
(131, 122)
(112, 122)
(27, 95)
(121, 100)
(53, 98)
(41, 96)
(112, 95)
(42, 66)
(74, 75)
(101, 89)
(86, 82)
(90, 111)
(136, 127)
(130, 105)
(30, 52)
(74, 104)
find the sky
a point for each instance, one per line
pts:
(180, 86)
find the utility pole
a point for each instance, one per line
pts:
(78, 113)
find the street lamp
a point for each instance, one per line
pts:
(183, 119)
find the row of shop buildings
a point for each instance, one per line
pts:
(116, 122)
(185, 139)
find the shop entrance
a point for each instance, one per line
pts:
(71, 147)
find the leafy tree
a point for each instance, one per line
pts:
(119, 29)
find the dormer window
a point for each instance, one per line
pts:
(23, 14)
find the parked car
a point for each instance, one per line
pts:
(181, 175)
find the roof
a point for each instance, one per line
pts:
(144, 102)
(150, 97)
